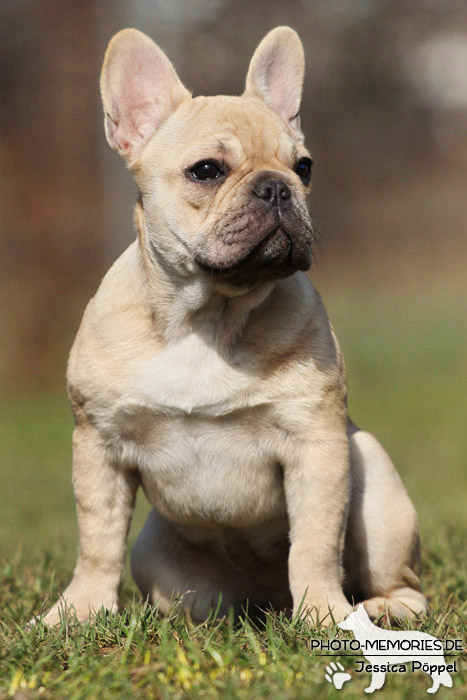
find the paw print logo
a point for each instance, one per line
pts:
(336, 675)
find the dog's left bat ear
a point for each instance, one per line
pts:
(276, 74)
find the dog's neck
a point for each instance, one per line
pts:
(184, 302)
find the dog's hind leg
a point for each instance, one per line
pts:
(168, 567)
(382, 549)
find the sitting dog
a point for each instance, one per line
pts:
(206, 371)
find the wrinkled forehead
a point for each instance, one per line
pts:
(234, 128)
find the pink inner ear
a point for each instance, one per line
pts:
(276, 74)
(281, 90)
(116, 137)
(142, 98)
(278, 92)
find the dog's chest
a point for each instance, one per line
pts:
(190, 376)
(197, 430)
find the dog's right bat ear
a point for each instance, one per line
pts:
(140, 89)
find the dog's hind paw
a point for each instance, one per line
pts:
(402, 604)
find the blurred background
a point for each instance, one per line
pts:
(385, 116)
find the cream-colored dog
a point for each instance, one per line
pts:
(206, 371)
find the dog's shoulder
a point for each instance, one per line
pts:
(304, 341)
(116, 330)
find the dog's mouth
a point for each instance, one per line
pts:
(278, 254)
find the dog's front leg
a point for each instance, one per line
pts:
(317, 487)
(105, 497)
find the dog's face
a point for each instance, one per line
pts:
(223, 180)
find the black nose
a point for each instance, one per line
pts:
(274, 191)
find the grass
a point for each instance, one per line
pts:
(138, 654)
(406, 364)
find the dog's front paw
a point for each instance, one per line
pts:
(80, 608)
(325, 614)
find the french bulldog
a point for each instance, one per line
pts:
(206, 371)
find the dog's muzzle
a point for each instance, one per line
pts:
(267, 236)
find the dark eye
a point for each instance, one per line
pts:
(206, 170)
(303, 169)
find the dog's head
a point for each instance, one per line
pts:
(223, 180)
